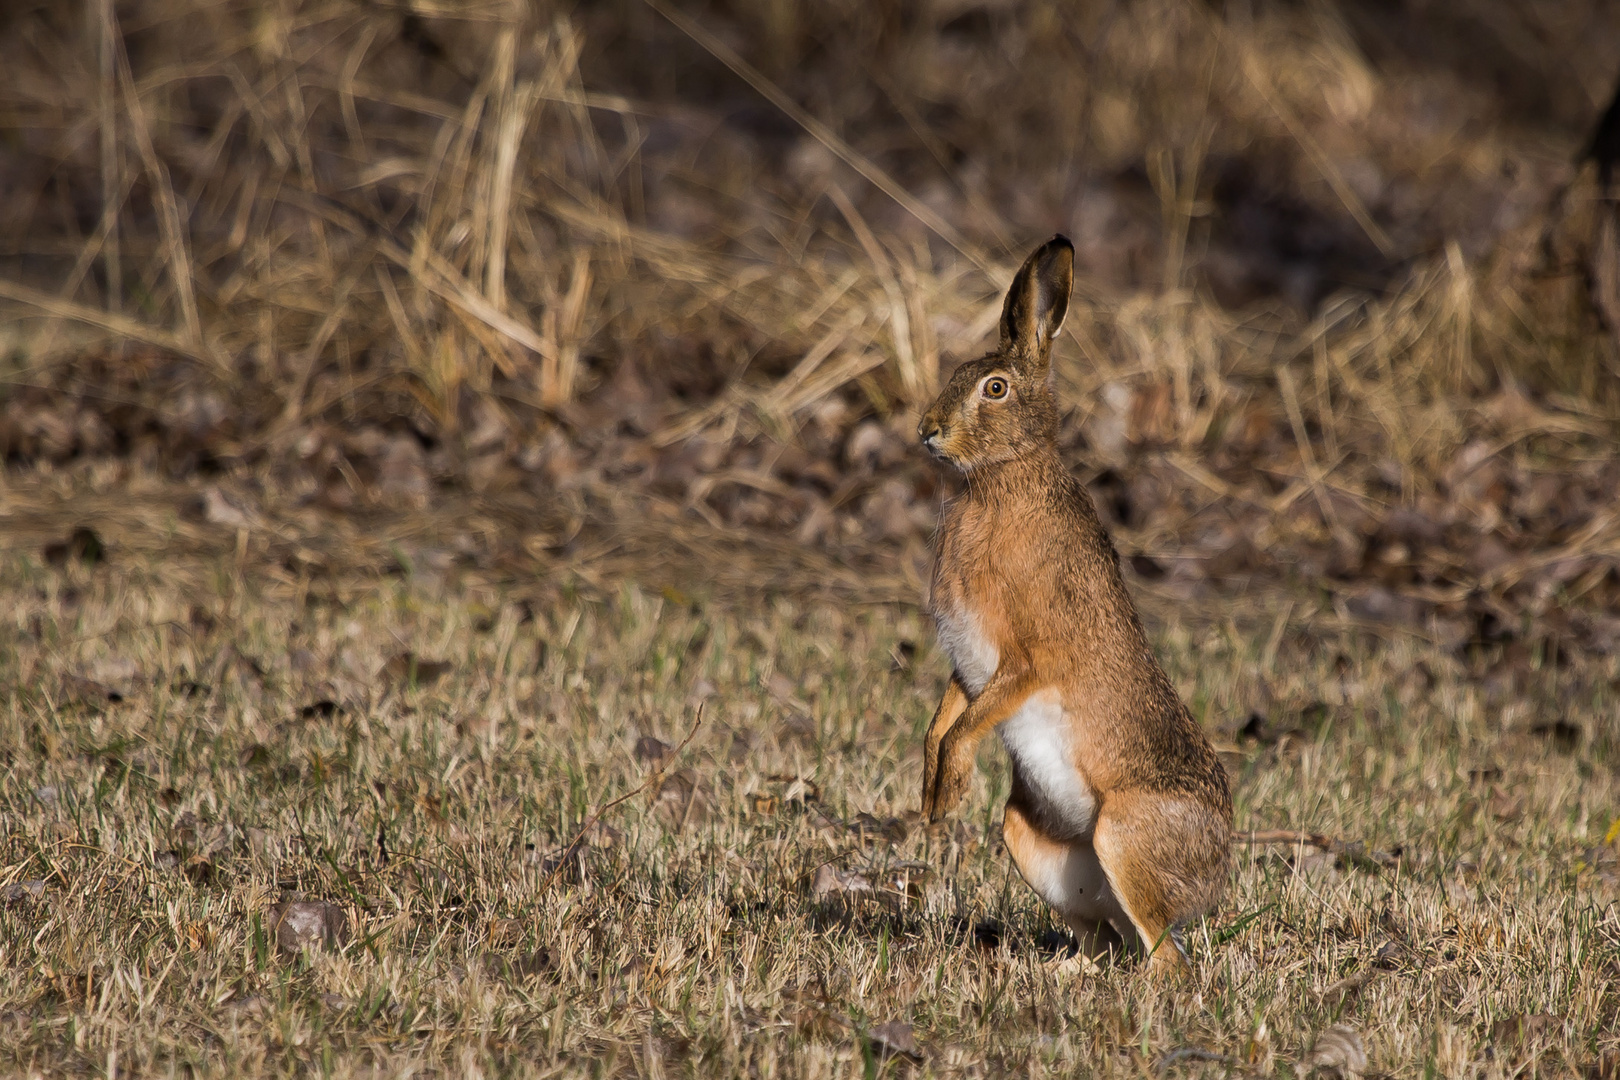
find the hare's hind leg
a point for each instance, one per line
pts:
(1067, 875)
(1166, 858)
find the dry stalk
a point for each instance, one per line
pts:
(175, 244)
(821, 132)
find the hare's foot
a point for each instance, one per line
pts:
(1096, 944)
(1067, 875)
(1096, 939)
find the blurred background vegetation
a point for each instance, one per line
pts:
(641, 280)
(417, 414)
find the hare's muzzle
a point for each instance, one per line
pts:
(930, 434)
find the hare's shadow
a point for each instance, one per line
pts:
(870, 922)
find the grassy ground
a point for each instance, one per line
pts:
(385, 347)
(187, 740)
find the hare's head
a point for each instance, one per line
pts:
(1002, 406)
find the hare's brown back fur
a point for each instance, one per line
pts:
(1120, 813)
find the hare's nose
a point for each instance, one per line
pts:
(927, 432)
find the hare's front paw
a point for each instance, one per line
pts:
(947, 794)
(930, 779)
(951, 778)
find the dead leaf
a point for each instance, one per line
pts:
(798, 790)
(652, 751)
(1339, 1051)
(1146, 567)
(602, 835)
(1238, 558)
(23, 892)
(1348, 987)
(1340, 854)
(532, 964)
(1518, 1030)
(217, 509)
(307, 924)
(407, 670)
(895, 1038)
(1606, 1067)
(200, 869)
(1490, 555)
(1604, 862)
(799, 727)
(478, 725)
(1257, 730)
(907, 881)
(761, 804)
(867, 828)
(1561, 733)
(1505, 807)
(402, 471)
(1185, 1053)
(89, 691)
(815, 1020)
(505, 933)
(1389, 955)
(250, 1006)
(681, 800)
(1150, 418)
(1314, 864)
(830, 881)
(742, 745)
(1385, 607)
(81, 546)
(780, 686)
(870, 445)
(116, 671)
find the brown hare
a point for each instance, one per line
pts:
(1119, 815)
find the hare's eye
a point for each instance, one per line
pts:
(995, 388)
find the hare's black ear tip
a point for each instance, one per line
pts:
(1058, 251)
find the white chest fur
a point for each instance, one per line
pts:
(974, 655)
(1037, 739)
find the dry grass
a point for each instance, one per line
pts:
(1471, 932)
(531, 343)
(332, 209)
(620, 252)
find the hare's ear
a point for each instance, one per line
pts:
(1037, 302)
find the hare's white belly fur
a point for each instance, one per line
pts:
(1037, 739)
(974, 654)
(1036, 736)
